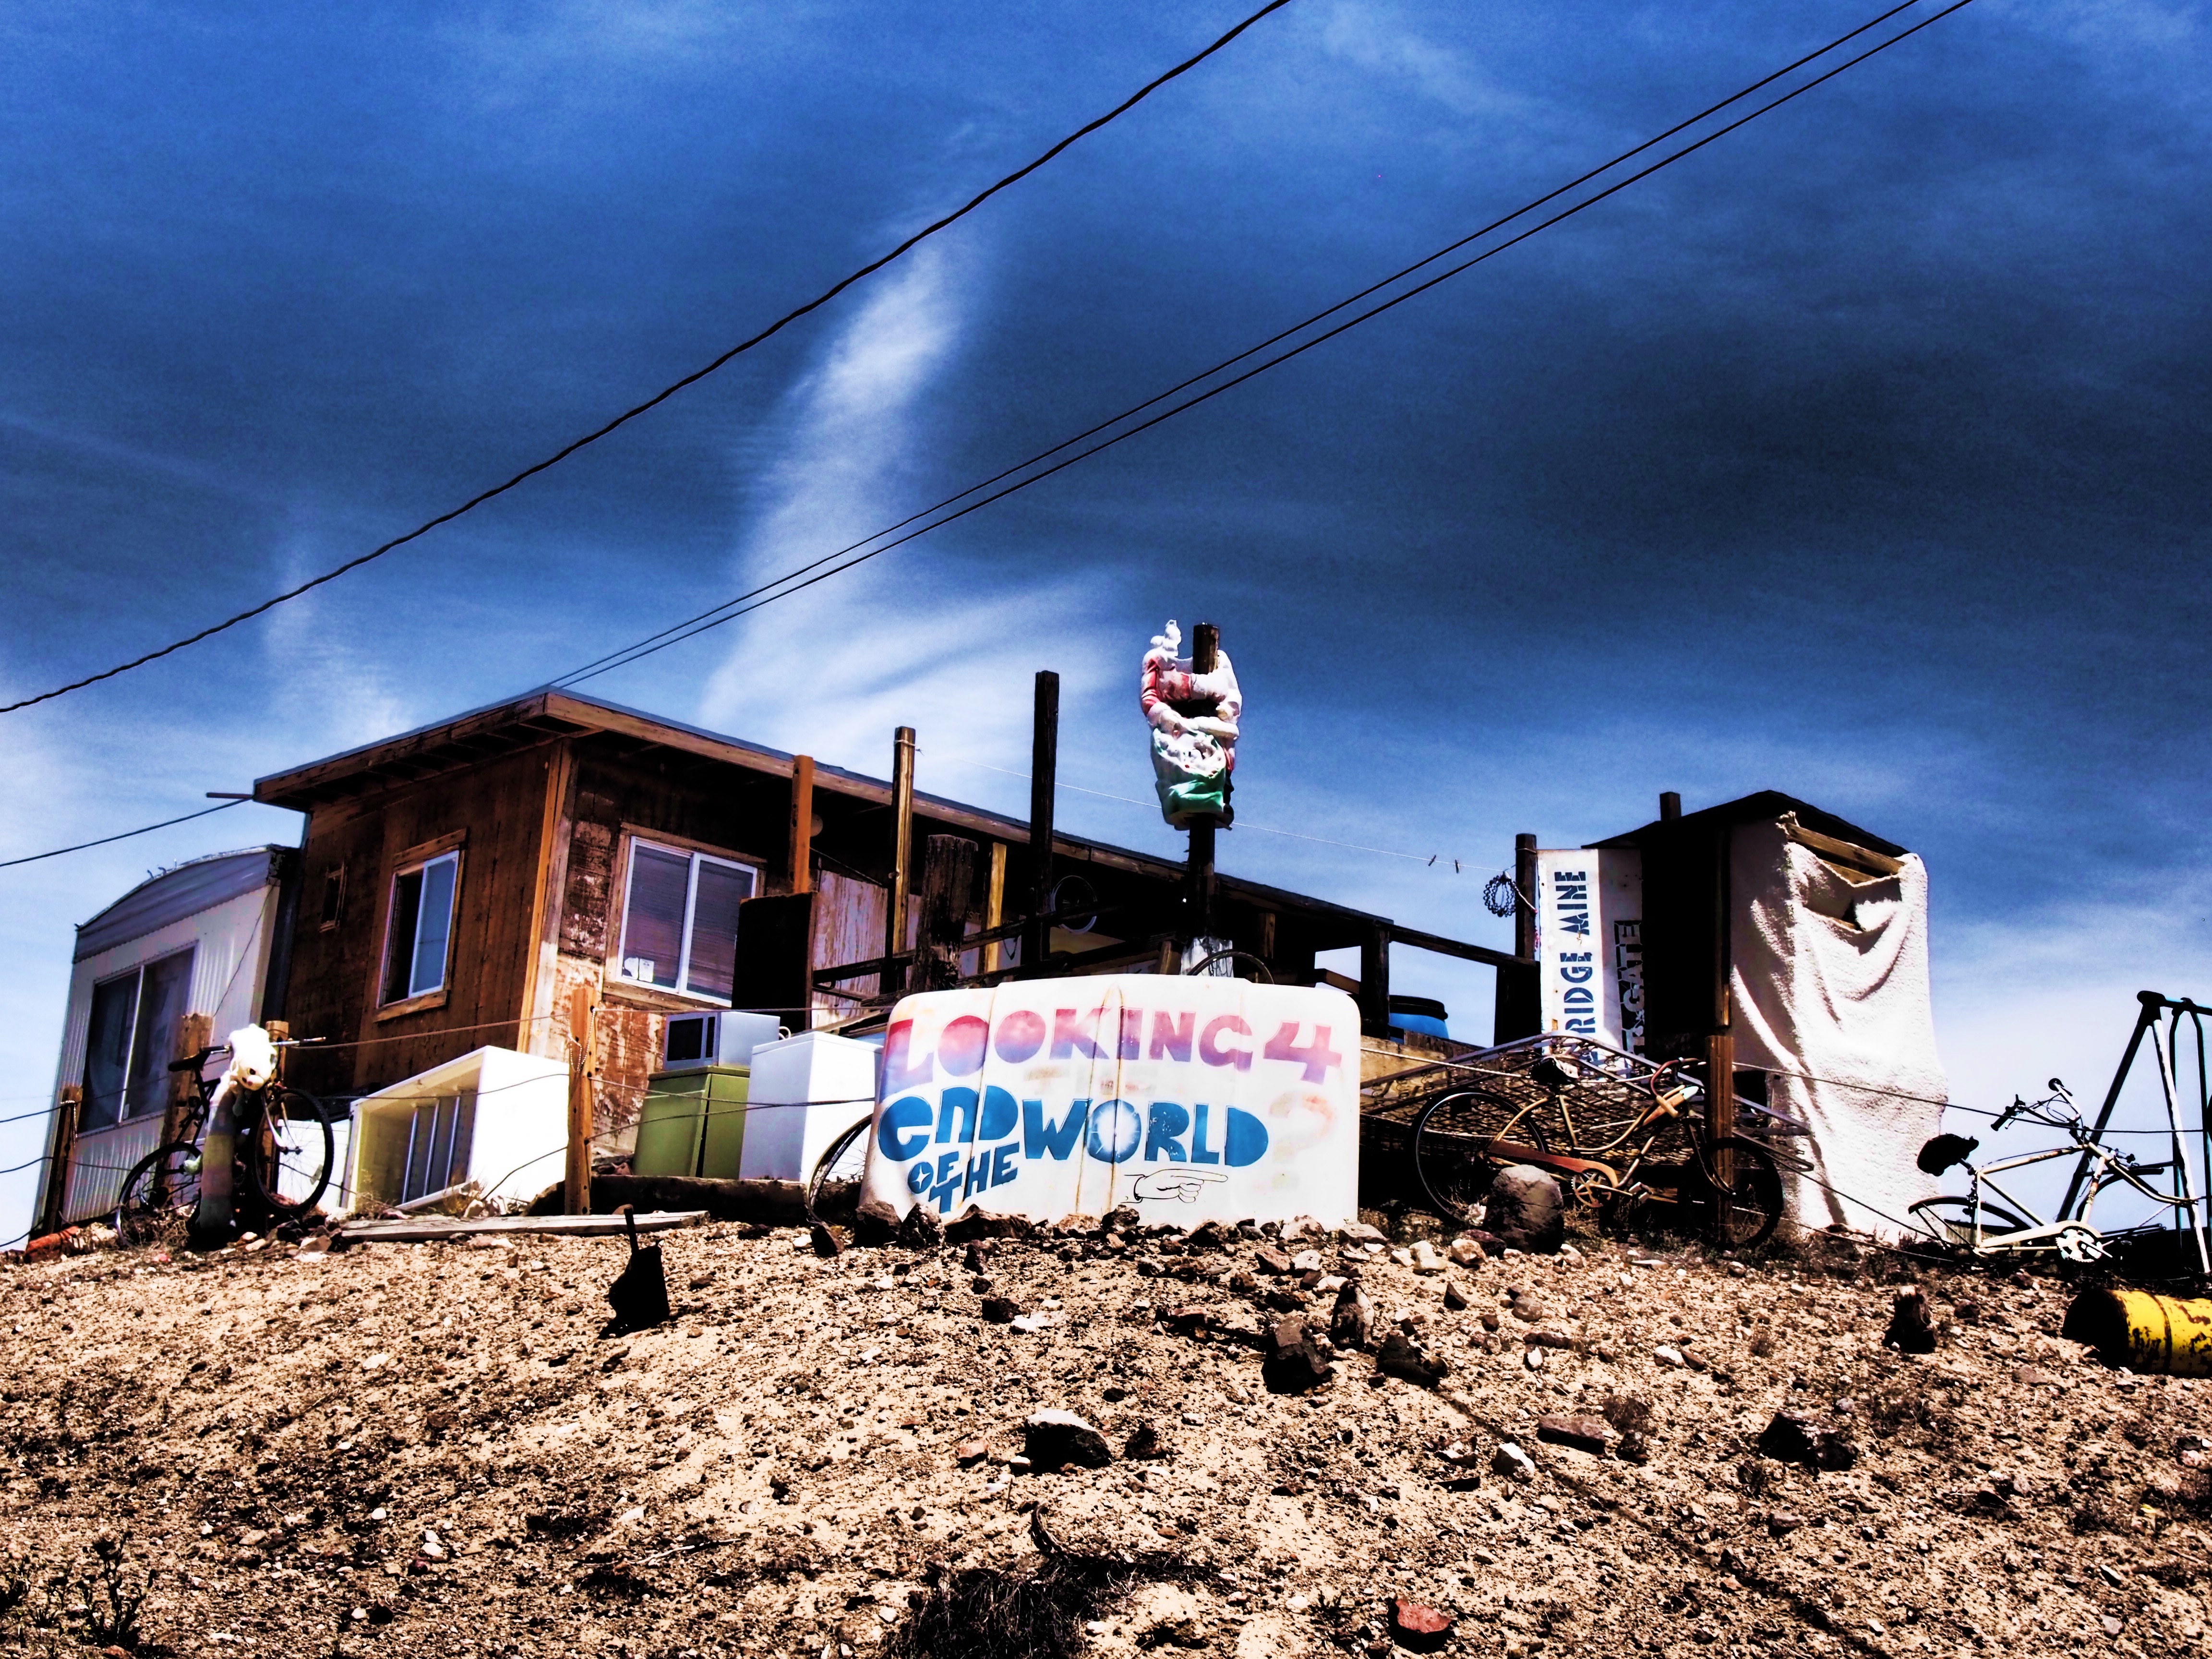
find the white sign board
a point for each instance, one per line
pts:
(1589, 944)
(1193, 1100)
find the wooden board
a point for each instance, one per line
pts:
(429, 1230)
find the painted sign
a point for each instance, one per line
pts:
(1194, 1099)
(1589, 942)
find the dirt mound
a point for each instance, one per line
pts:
(434, 1449)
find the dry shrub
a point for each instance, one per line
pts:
(1628, 1413)
(985, 1612)
(1762, 1342)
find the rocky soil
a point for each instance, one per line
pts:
(437, 1449)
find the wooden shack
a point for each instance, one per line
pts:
(460, 881)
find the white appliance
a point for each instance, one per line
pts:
(807, 1091)
(723, 1037)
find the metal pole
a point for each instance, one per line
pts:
(902, 850)
(2151, 1002)
(2184, 1186)
(1199, 879)
(1044, 767)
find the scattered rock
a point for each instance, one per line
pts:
(1271, 1261)
(978, 1257)
(1468, 1251)
(1783, 1523)
(1295, 1360)
(1306, 1261)
(1511, 1461)
(1667, 1356)
(1144, 1443)
(1634, 1447)
(1425, 1259)
(1587, 1434)
(1794, 1438)
(987, 1224)
(1533, 1359)
(1455, 1298)
(922, 1228)
(1358, 1232)
(1353, 1324)
(971, 1451)
(1416, 1626)
(1525, 1210)
(1000, 1310)
(825, 1242)
(1911, 1328)
(1053, 1438)
(1547, 1340)
(1401, 1356)
(874, 1222)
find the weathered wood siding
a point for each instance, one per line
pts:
(335, 973)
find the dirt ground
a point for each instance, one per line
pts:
(434, 1449)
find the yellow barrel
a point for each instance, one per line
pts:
(2167, 1335)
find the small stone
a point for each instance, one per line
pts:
(1667, 1356)
(1401, 1356)
(1533, 1359)
(1911, 1328)
(1358, 1232)
(1053, 1437)
(2113, 1624)
(1404, 1258)
(1271, 1261)
(922, 1228)
(874, 1222)
(825, 1242)
(1425, 1259)
(1000, 1310)
(971, 1451)
(1418, 1625)
(1587, 1434)
(1783, 1523)
(1794, 1438)
(1468, 1251)
(1353, 1324)
(1526, 1209)
(1144, 1442)
(2033, 1376)
(1455, 1298)
(1306, 1261)
(1511, 1461)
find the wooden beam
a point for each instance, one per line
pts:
(902, 841)
(994, 907)
(1452, 947)
(576, 1172)
(948, 873)
(541, 960)
(802, 825)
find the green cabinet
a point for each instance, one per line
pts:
(693, 1123)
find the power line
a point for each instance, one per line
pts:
(146, 829)
(789, 582)
(668, 392)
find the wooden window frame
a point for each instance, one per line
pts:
(334, 898)
(618, 986)
(418, 857)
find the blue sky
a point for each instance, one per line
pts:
(1862, 456)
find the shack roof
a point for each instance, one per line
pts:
(1761, 808)
(183, 890)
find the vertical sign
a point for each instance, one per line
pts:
(1589, 944)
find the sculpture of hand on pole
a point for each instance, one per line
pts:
(1194, 716)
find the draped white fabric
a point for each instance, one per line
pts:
(1831, 989)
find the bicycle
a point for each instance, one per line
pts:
(1972, 1223)
(1461, 1138)
(284, 1145)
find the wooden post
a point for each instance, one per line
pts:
(1720, 1043)
(1670, 805)
(948, 873)
(994, 907)
(802, 825)
(1516, 1007)
(67, 1112)
(576, 1174)
(1524, 895)
(1375, 980)
(192, 1033)
(902, 850)
(1044, 767)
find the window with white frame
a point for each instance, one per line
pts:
(679, 925)
(419, 937)
(131, 1039)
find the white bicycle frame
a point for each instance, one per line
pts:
(2087, 1243)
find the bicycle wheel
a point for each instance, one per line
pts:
(288, 1156)
(159, 1195)
(1950, 1220)
(1743, 1213)
(1455, 1143)
(846, 1159)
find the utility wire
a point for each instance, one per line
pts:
(838, 562)
(666, 393)
(146, 829)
